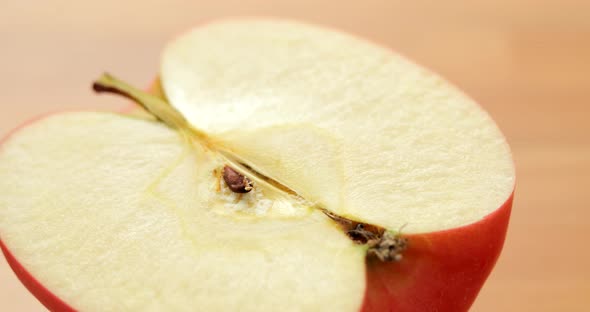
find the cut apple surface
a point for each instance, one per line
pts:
(286, 169)
(344, 123)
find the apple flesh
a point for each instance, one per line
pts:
(145, 228)
(103, 211)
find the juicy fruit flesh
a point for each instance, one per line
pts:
(350, 126)
(116, 213)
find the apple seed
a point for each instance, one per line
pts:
(236, 182)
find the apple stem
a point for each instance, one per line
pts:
(156, 106)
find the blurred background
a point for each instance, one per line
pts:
(526, 61)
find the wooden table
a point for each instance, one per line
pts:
(527, 62)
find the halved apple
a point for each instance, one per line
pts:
(372, 184)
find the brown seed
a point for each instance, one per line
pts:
(236, 182)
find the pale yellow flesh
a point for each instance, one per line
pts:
(112, 213)
(346, 124)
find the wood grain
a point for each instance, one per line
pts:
(527, 62)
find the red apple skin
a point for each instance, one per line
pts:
(48, 299)
(441, 271)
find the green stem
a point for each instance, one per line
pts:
(159, 108)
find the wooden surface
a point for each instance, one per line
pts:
(527, 62)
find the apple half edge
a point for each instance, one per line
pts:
(455, 283)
